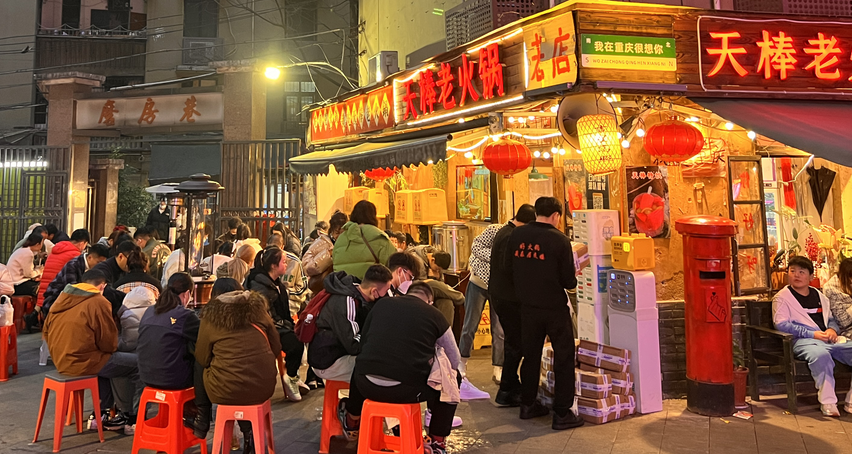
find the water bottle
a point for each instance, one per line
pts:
(7, 312)
(43, 353)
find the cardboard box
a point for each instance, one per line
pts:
(622, 382)
(592, 385)
(581, 257)
(603, 356)
(597, 411)
(624, 405)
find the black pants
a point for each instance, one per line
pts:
(294, 350)
(27, 288)
(202, 401)
(509, 313)
(555, 323)
(361, 388)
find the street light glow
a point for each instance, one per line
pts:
(272, 73)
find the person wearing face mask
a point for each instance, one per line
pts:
(402, 266)
(332, 351)
(159, 220)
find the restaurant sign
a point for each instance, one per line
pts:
(197, 109)
(774, 54)
(551, 58)
(364, 113)
(628, 52)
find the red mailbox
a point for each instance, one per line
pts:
(707, 312)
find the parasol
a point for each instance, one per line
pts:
(820, 181)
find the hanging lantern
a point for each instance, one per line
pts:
(380, 174)
(673, 141)
(506, 157)
(599, 143)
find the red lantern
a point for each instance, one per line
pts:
(673, 141)
(380, 174)
(506, 157)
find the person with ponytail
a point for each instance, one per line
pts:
(168, 333)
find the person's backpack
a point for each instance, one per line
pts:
(306, 327)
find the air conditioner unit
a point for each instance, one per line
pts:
(382, 64)
(202, 51)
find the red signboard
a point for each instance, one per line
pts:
(774, 54)
(365, 113)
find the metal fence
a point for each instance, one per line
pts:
(33, 189)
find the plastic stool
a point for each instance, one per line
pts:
(8, 351)
(372, 438)
(67, 388)
(22, 305)
(330, 423)
(260, 417)
(165, 432)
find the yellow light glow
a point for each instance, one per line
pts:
(729, 126)
(468, 155)
(554, 108)
(640, 132)
(752, 135)
(272, 73)
(599, 143)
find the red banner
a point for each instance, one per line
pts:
(365, 113)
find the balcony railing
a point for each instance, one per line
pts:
(118, 32)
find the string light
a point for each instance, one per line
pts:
(537, 153)
(461, 120)
(430, 162)
(456, 113)
(752, 135)
(625, 143)
(469, 155)
(578, 151)
(729, 126)
(640, 132)
(532, 118)
(554, 108)
(693, 119)
(554, 150)
(511, 119)
(494, 41)
(522, 120)
(546, 155)
(473, 147)
(561, 152)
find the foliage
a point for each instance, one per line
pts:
(133, 202)
(739, 356)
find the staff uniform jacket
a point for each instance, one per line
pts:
(351, 253)
(240, 365)
(841, 305)
(63, 253)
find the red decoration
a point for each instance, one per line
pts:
(506, 157)
(380, 174)
(673, 141)
(727, 53)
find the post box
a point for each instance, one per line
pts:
(707, 313)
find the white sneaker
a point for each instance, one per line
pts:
(303, 388)
(829, 410)
(463, 367)
(291, 389)
(428, 418)
(130, 429)
(469, 392)
(497, 375)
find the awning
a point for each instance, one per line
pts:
(176, 162)
(372, 155)
(817, 127)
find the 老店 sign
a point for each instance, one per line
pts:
(774, 54)
(365, 113)
(628, 52)
(550, 53)
(150, 111)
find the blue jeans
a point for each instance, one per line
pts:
(121, 375)
(474, 303)
(820, 357)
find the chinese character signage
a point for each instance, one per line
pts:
(365, 113)
(774, 54)
(550, 53)
(628, 52)
(197, 109)
(648, 201)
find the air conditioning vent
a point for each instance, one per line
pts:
(202, 51)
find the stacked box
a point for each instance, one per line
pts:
(622, 382)
(603, 356)
(592, 385)
(601, 411)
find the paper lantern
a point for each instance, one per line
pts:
(673, 141)
(380, 174)
(506, 157)
(599, 143)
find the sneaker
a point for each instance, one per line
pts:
(497, 375)
(469, 392)
(130, 429)
(93, 423)
(117, 423)
(457, 422)
(312, 385)
(508, 399)
(348, 432)
(434, 447)
(303, 388)
(569, 421)
(291, 389)
(533, 411)
(829, 410)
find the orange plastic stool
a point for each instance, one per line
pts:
(67, 388)
(260, 417)
(330, 423)
(22, 305)
(8, 351)
(372, 438)
(165, 432)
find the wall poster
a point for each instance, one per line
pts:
(648, 201)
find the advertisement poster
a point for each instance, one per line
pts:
(597, 192)
(575, 185)
(648, 201)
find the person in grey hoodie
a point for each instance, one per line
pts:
(130, 314)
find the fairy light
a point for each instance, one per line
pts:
(625, 143)
(640, 132)
(537, 154)
(430, 162)
(554, 150)
(473, 147)
(578, 151)
(511, 119)
(522, 120)
(532, 118)
(495, 41)
(554, 108)
(468, 155)
(729, 126)
(461, 120)
(752, 135)
(562, 152)
(469, 110)
(546, 155)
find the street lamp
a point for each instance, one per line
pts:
(272, 72)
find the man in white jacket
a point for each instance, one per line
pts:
(805, 313)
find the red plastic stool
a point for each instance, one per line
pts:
(8, 351)
(372, 438)
(22, 305)
(330, 423)
(260, 417)
(67, 388)
(165, 432)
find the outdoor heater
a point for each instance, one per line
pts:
(197, 222)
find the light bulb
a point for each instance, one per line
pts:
(692, 119)
(468, 155)
(537, 154)
(625, 143)
(272, 73)
(620, 135)
(578, 151)
(729, 126)
(532, 118)
(461, 120)
(554, 108)
(554, 150)
(546, 155)
(495, 138)
(430, 162)
(522, 120)
(752, 135)
(511, 119)
(640, 132)
(561, 152)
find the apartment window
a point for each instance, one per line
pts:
(71, 13)
(291, 108)
(308, 87)
(298, 94)
(201, 18)
(291, 87)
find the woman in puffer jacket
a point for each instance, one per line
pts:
(130, 314)
(362, 244)
(317, 261)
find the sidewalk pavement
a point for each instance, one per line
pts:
(486, 429)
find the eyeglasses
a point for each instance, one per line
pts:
(409, 275)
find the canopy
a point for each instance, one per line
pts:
(173, 163)
(372, 155)
(818, 127)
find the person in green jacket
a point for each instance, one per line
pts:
(361, 244)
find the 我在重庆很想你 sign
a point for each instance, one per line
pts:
(628, 52)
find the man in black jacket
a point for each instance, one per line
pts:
(332, 352)
(508, 307)
(113, 269)
(542, 268)
(72, 273)
(159, 220)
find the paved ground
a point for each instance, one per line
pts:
(486, 429)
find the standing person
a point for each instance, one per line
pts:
(803, 312)
(361, 244)
(501, 286)
(137, 275)
(269, 266)
(230, 235)
(72, 272)
(474, 303)
(839, 292)
(55, 235)
(238, 348)
(291, 241)
(20, 265)
(168, 333)
(157, 251)
(63, 252)
(543, 266)
(317, 261)
(159, 220)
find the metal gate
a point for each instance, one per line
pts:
(33, 189)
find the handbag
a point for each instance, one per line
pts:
(375, 257)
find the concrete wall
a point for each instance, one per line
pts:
(18, 19)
